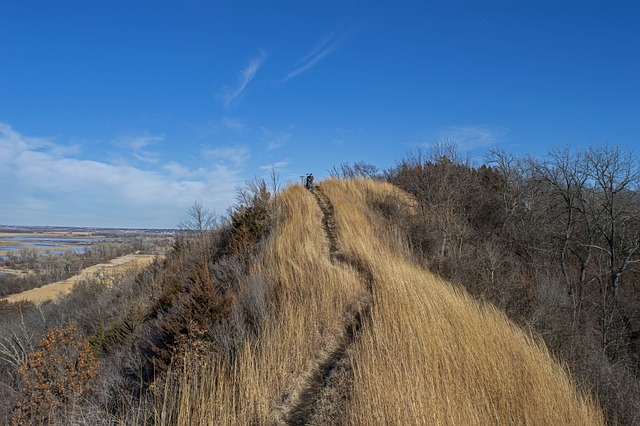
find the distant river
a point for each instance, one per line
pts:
(52, 245)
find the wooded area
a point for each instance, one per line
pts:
(552, 241)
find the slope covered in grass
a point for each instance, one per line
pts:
(432, 355)
(358, 334)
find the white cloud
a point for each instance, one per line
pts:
(11, 147)
(232, 123)
(467, 137)
(177, 170)
(232, 95)
(39, 187)
(326, 46)
(137, 142)
(275, 140)
(227, 154)
(276, 165)
(136, 145)
(65, 150)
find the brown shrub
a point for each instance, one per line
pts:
(56, 375)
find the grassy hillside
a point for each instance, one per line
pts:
(355, 333)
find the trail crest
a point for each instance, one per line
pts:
(322, 389)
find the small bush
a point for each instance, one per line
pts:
(56, 375)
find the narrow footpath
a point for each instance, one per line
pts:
(323, 394)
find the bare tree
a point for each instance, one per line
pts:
(16, 344)
(199, 219)
(510, 167)
(566, 175)
(446, 149)
(274, 180)
(613, 207)
(359, 169)
(251, 191)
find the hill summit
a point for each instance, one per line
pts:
(358, 333)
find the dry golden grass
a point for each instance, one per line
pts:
(105, 272)
(309, 295)
(426, 354)
(431, 354)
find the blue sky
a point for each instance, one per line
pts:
(123, 113)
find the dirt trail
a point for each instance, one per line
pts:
(322, 395)
(105, 271)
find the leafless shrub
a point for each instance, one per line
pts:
(359, 169)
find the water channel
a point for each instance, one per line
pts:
(52, 245)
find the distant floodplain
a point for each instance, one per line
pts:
(52, 244)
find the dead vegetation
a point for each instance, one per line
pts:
(107, 272)
(309, 308)
(432, 355)
(55, 377)
(371, 338)
(551, 241)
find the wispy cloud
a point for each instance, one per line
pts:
(234, 155)
(14, 143)
(233, 94)
(215, 126)
(469, 137)
(232, 123)
(136, 146)
(325, 47)
(44, 188)
(275, 140)
(138, 142)
(276, 165)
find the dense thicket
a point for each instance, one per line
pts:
(554, 242)
(192, 301)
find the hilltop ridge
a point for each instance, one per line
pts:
(308, 307)
(362, 335)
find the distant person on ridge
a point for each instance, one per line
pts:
(310, 181)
